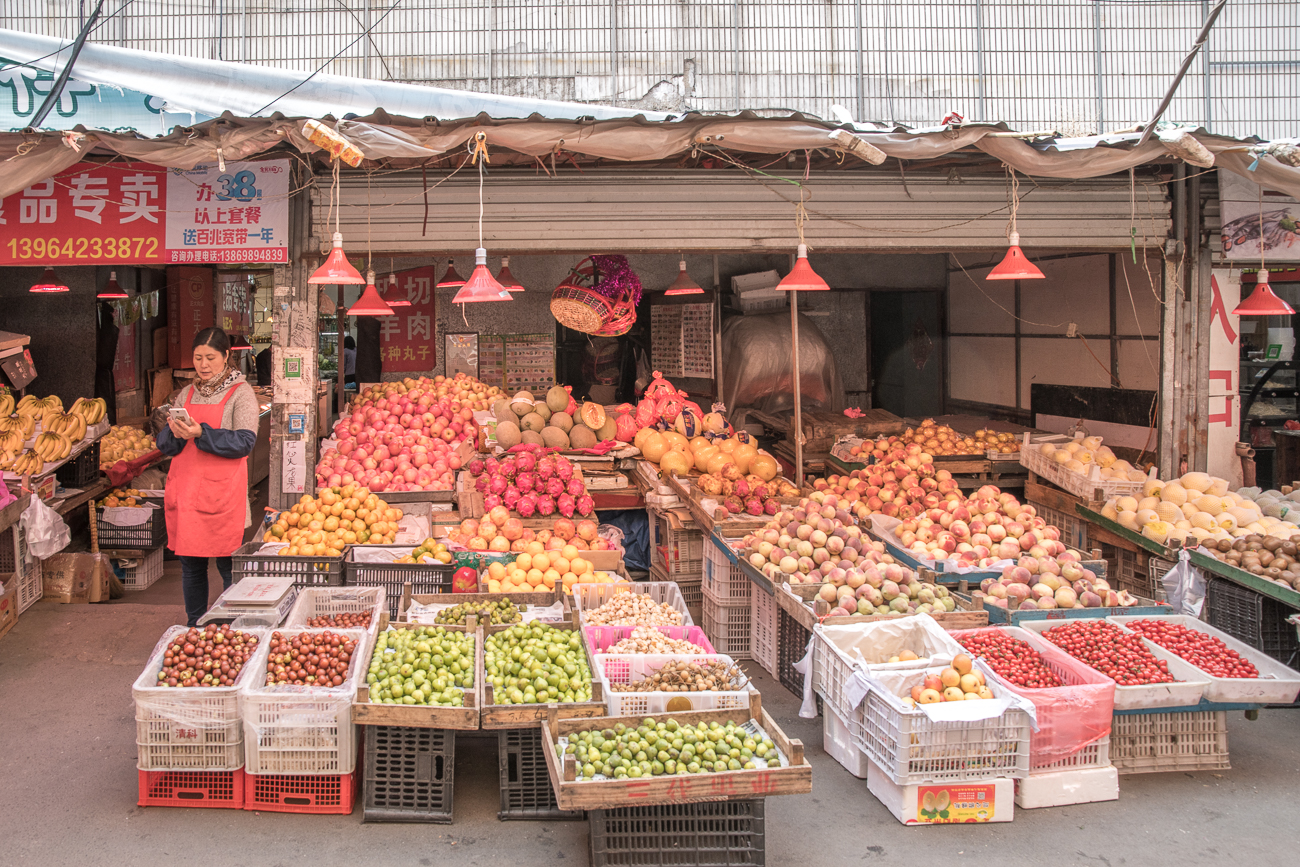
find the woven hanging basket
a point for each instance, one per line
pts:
(598, 297)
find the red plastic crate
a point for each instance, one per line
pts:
(212, 789)
(301, 793)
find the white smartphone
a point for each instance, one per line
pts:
(180, 413)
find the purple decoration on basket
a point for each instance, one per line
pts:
(616, 277)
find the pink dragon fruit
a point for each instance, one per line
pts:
(498, 485)
(563, 469)
(734, 505)
(476, 467)
(491, 465)
(771, 507)
(546, 506)
(508, 468)
(575, 488)
(586, 505)
(742, 488)
(511, 497)
(759, 490)
(526, 506)
(527, 462)
(546, 468)
(566, 505)
(754, 506)
(554, 486)
(526, 481)
(481, 484)
(491, 501)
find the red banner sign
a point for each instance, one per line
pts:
(406, 340)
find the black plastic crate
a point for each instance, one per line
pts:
(526, 791)
(7, 557)
(145, 537)
(1254, 618)
(408, 774)
(81, 470)
(305, 571)
(791, 646)
(709, 834)
(422, 577)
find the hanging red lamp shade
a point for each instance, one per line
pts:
(1263, 301)
(111, 290)
(1014, 265)
(337, 270)
(802, 278)
(370, 304)
(481, 285)
(239, 341)
(48, 284)
(451, 280)
(393, 296)
(506, 279)
(684, 285)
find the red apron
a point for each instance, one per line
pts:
(207, 496)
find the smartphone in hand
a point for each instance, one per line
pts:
(181, 414)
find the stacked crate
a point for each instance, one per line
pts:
(677, 555)
(727, 603)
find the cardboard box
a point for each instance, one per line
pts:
(1059, 788)
(944, 803)
(76, 578)
(8, 602)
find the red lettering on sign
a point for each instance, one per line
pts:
(1225, 375)
(1225, 417)
(1220, 311)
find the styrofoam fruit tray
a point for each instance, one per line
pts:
(1186, 691)
(1277, 683)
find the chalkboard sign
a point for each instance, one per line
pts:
(19, 369)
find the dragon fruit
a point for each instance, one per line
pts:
(527, 462)
(754, 506)
(508, 468)
(476, 467)
(734, 505)
(546, 506)
(554, 486)
(586, 505)
(526, 506)
(575, 488)
(546, 468)
(563, 469)
(526, 482)
(511, 497)
(565, 504)
(759, 490)
(481, 484)
(491, 501)
(771, 507)
(742, 488)
(498, 485)
(491, 465)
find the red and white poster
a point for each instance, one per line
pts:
(136, 213)
(1223, 419)
(406, 341)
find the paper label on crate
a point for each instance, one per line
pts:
(963, 802)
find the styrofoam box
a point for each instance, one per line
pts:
(1184, 693)
(989, 800)
(839, 744)
(1060, 788)
(1277, 683)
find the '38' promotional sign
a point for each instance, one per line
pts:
(140, 214)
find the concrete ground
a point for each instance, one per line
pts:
(67, 762)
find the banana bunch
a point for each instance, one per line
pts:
(92, 410)
(52, 446)
(34, 406)
(11, 441)
(23, 425)
(70, 425)
(6, 404)
(28, 463)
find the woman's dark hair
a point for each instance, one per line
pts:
(214, 337)
(349, 343)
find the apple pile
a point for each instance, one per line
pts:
(989, 527)
(402, 436)
(1038, 584)
(797, 543)
(960, 681)
(929, 437)
(498, 532)
(532, 485)
(903, 486)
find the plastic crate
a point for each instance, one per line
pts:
(708, 834)
(191, 728)
(211, 789)
(249, 562)
(1252, 617)
(323, 601)
(1074, 530)
(31, 587)
(634, 668)
(1094, 755)
(144, 574)
(588, 597)
(1091, 487)
(676, 550)
(692, 588)
(728, 626)
(81, 469)
(408, 774)
(837, 741)
(601, 638)
(144, 537)
(724, 580)
(791, 646)
(526, 791)
(393, 577)
(1132, 572)
(297, 730)
(325, 793)
(763, 634)
(1148, 743)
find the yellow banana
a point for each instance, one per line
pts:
(6, 404)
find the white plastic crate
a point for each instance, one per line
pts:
(838, 743)
(323, 601)
(588, 597)
(145, 573)
(763, 632)
(304, 729)
(31, 587)
(634, 668)
(729, 626)
(191, 728)
(1094, 755)
(1146, 743)
(675, 547)
(723, 579)
(1091, 487)
(911, 748)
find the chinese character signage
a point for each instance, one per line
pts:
(140, 214)
(406, 339)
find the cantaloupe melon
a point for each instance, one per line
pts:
(554, 437)
(508, 434)
(532, 438)
(562, 420)
(609, 430)
(557, 399)
(582, 437)
(532, 421)
(593, 415)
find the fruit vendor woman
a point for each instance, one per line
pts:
(207, 487)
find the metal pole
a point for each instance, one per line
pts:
(979, 55)
(735, 48)
(1205, 75)
(1201, 39)
(613, 51)
(365, 63)
(338, 349)
(798, 415)
(1096, 63)
(861, 112)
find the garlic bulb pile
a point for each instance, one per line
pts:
(1080, 455)
(1198, 506)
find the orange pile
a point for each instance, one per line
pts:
(537, 570)
(324, 525)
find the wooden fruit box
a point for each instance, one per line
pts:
(514, 716)
(572, 794)
(821, 428)
(967, 615)
(466, 718)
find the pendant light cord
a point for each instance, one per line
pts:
(1012, 228)
(800, 214)
(1260, 189)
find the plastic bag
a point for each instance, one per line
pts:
(47, 534)
(808, 709)
(1185, 585)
